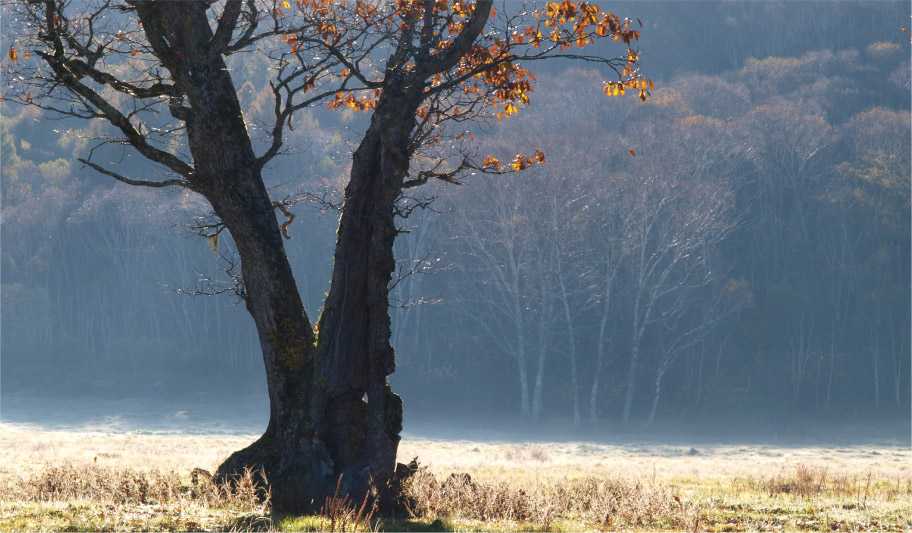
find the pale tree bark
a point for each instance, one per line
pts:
(561, 244)
(670, 225)
(612, 230)
(546, 306)
(495, 236)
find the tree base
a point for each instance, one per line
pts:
(301, 474)
(296, 482)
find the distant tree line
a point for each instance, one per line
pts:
(751, 257)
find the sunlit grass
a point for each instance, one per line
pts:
(68, 481)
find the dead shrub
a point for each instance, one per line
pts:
(341, 514)
(530, 452)
(67, 482)
(603, 501)
(127, 486)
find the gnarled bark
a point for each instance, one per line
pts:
(354, 343)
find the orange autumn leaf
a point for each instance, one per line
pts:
(491, 161)
(632, 153)
(518, 163)
(13, 55)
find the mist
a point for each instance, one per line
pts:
(731, 256)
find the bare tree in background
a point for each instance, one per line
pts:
(672, 222)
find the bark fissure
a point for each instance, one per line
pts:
(355, 365)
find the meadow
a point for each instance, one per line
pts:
(113, 480)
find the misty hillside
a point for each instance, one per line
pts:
(736, 246)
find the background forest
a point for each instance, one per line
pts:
(738, 245)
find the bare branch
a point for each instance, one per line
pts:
(225, 29)
(208, 286)
(64, 74)
(167, 183)
(452, 54)
(281, 206)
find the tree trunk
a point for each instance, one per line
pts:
(599, 362)
(354, 342)
(521, 356)
(639, 326)
(631, 381)
(600, 358)
(319, 427)
(655, 397)
(363, 415)
(876, 357)
(826, 405)
(571, 344)
(899, 356)
(291, 452)
(542, 350)
(539, 382)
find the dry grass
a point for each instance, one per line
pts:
(341, 514)
(798, 498)
(25, 449)
(590, 502)
(69, 481)
(97, 498)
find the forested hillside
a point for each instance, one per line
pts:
(737, 245)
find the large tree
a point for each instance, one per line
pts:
(156, 71)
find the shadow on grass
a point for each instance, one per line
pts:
(319, 523)
(250, 523)
(415, 525)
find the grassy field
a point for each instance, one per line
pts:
(117, 480)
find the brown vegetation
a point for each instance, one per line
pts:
(466, 486)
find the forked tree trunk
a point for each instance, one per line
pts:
(343, 420)
(319, 427)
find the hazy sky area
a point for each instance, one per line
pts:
(734, 250)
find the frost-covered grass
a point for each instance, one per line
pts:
(91, 481)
